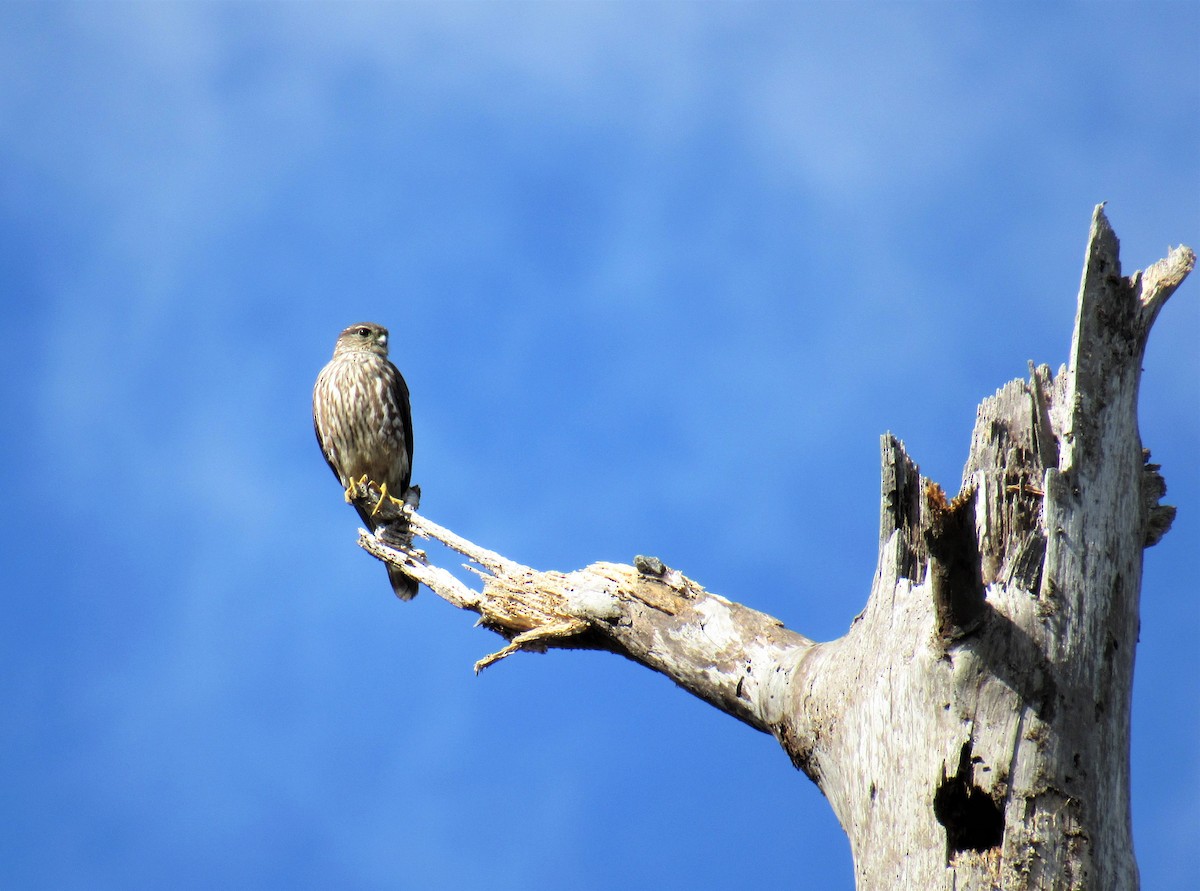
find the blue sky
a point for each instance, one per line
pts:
(658, 276)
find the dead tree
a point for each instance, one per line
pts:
(971, 729)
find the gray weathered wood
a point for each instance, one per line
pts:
(971, 729)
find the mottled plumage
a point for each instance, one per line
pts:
(363, 421)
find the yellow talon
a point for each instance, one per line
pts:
(352, 488)
(382, 495)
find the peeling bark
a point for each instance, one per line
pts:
(971, 729)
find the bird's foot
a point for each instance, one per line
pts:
(383, 495)
(352, 489)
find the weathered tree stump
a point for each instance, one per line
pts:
(971, 729)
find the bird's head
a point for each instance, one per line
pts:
(363, 337)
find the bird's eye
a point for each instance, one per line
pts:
(363, 332)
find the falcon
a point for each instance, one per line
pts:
(363, 422)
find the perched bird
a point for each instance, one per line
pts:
(363, 422)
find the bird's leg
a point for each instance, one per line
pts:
(383, 493)
(352, 488)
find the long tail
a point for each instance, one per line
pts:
(405, 588)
